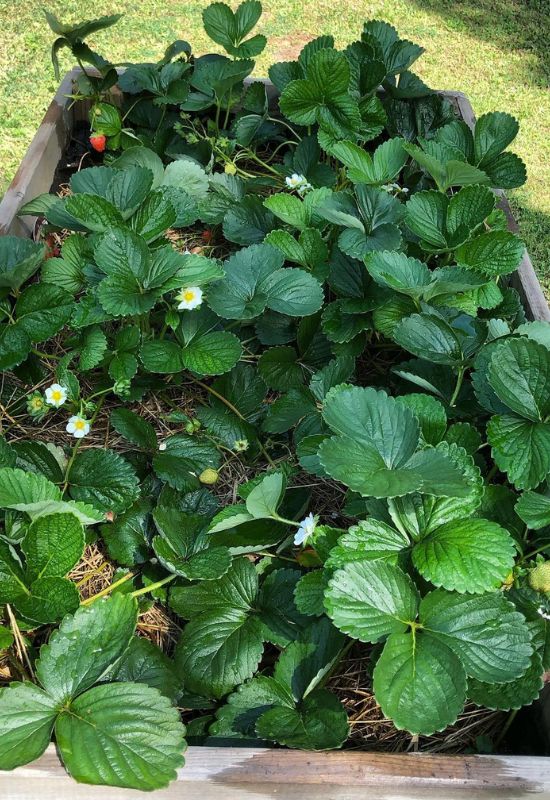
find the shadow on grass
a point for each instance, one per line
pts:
(512, 25)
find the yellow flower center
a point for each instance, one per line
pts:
(57, 395)
(37, 403)
(79, 424)
(188, 295)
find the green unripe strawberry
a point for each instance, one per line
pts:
(539, 578)
(209, 476)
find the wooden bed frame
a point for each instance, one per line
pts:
(242, 773)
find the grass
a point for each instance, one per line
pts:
(493, 50)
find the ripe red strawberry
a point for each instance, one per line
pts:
(98, 142)
(207, 236)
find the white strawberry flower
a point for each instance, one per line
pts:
(78, 426)
(189, 298)
(298, 182)
(306, 530)
(56, 395)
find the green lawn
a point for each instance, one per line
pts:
(493, 50)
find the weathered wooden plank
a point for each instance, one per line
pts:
(37, 169)
(234, 773)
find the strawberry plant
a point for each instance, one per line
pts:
(276, 377)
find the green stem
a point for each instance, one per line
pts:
(280, 122)
(228, 109)
(47, 356)
(77, 445)
(98, 394)
(536, 552)
(236, 411)
(274, 555)
(251, 154)
(108, 589)
(153, 586)
(277, 518)
(506, 727)
(161, 120)
(458, 386)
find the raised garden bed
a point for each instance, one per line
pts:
(261, 772)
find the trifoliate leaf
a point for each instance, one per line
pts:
(322, 96)
(183, 546)
(444, 223)
(230, 29)
(254, 279)
(382, 167)
(376, 453)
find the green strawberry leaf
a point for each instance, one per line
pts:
(27, 716)
(487, 633)
(513, 695)
(371, 600)
(52, 545)
(85, 645)
(469, 555)
(103, 479)
(419, 682)
(121, 734)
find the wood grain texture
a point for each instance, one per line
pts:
(37, 169)
(235, 773)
